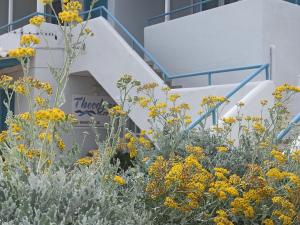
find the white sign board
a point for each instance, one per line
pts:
(86, 106)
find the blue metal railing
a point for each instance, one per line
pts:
(245, 81)
(292, 124)
(153, 19)
(10, 26)
(210, 73)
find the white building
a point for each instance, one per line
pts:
(229, 39)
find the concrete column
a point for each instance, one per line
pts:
(40, 7)
(167, 9)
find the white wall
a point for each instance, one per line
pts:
(223, 37)
(133, 14)
(83, 84)
(108, 57)
(234, 35)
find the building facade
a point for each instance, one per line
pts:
(210, 47)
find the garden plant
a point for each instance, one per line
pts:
(173, 175)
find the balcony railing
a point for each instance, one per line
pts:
(200, 6)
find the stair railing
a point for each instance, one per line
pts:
(9, 27)
(291, 125)
(213, 111)
(151, 20)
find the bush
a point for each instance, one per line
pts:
(165, 175)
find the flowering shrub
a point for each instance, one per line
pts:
(165, 175)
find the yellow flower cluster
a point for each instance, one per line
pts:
(134, 141)
(119, 180)
(72, 5)
(174, 97)
(229, 120)
(280, 90)
(222, 218)
(45, 2)
(22, 52)
(156, 110)
(5, 80)
(147, 87)
(3, 136)
(258, 127)
(37, 20)
(144, 102)
(70, 13)
(85, 161)
(222, 188)
(28, 40)
(40, 101)
(279, 156)
(286, 210)
(211, 101)
(44, 116)
(185, 179)
(116, 111)
(222, 149)
(195, 150)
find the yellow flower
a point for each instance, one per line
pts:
(275, 174)
(222, 218)
(25, 116)
(47, 88)
(144, 101)
(119, 180)
(22, 52)
(43, 136)
(229, 120)
(40, 101)
(279, 156)
(45, 2)
(174, 97)
(28, 39)
(5, 80)
(170, 203)
(20, 89)
(3, 136)
(37, 20)
(296, 155)
(211, 101)
(258, 127)
(116, 111)
(15, 128)
(86, 161)
(268, 222)
(70, 17)
(60, 143)
(147, 87)
(222, 149)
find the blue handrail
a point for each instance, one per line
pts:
(245, 81)
(210, 73)
(292, 124)
(150, 20)
(25, 18)
(201, 3)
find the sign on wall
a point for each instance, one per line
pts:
(87, 106)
